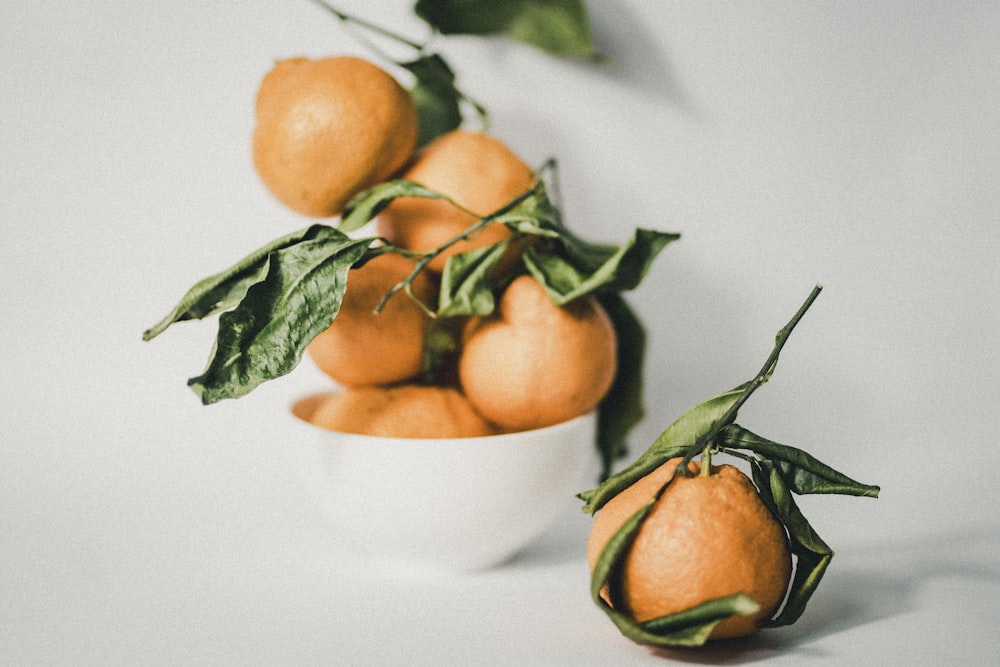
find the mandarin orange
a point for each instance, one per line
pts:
(329, 128)
(400, 411)
(363, 347)
(708, 536)
(533, 363)
(476, 170)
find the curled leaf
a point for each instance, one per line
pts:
(225, 289)
(691, 627)
(624, 406)
(265, 336)
(437, 99)
(802, 472)
(812, 554)
(367, 204)
(466, 288)
(584, 268)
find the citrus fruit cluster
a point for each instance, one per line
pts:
(474, 310)
(331, 128)
(471, 310)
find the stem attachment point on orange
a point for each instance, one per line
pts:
(706, 461)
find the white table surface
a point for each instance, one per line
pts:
(851, 144)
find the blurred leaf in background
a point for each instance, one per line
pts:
(559, 27)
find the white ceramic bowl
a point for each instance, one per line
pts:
(448, 504)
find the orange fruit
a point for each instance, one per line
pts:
(364, 347)
(327, 129)
(476, 170)
(533, 363)
(401, 411)
(305, 407)
(706, 537)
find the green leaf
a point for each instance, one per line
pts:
(536, 214)
(526, 223)
(584, 268)
(688, 628)
(802, 471)
(469, 17)
(569, 266)
(265, 336)
(691, 430)
(466, 288)
(618, 545)
(560, 27)
(437, 99)
(708, 612)
(812, 554)
(778, 471)
(363, 208)
(623, 407)
(628, 266)
(225, 289)
(442, 346)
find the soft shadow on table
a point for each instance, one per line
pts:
(565, 541)
(881, 581)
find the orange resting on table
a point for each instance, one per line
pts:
(706, 537)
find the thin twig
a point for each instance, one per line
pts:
(420, 49)
(347, 18)
(471, 231)
(762, 376)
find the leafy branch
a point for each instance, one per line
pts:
(281, 296)
(427, 257)
(763, 375)
(274, 301)
(693, 430)
(778, 472)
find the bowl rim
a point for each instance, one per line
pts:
(476, 440)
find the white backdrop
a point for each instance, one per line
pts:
(791, 143)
